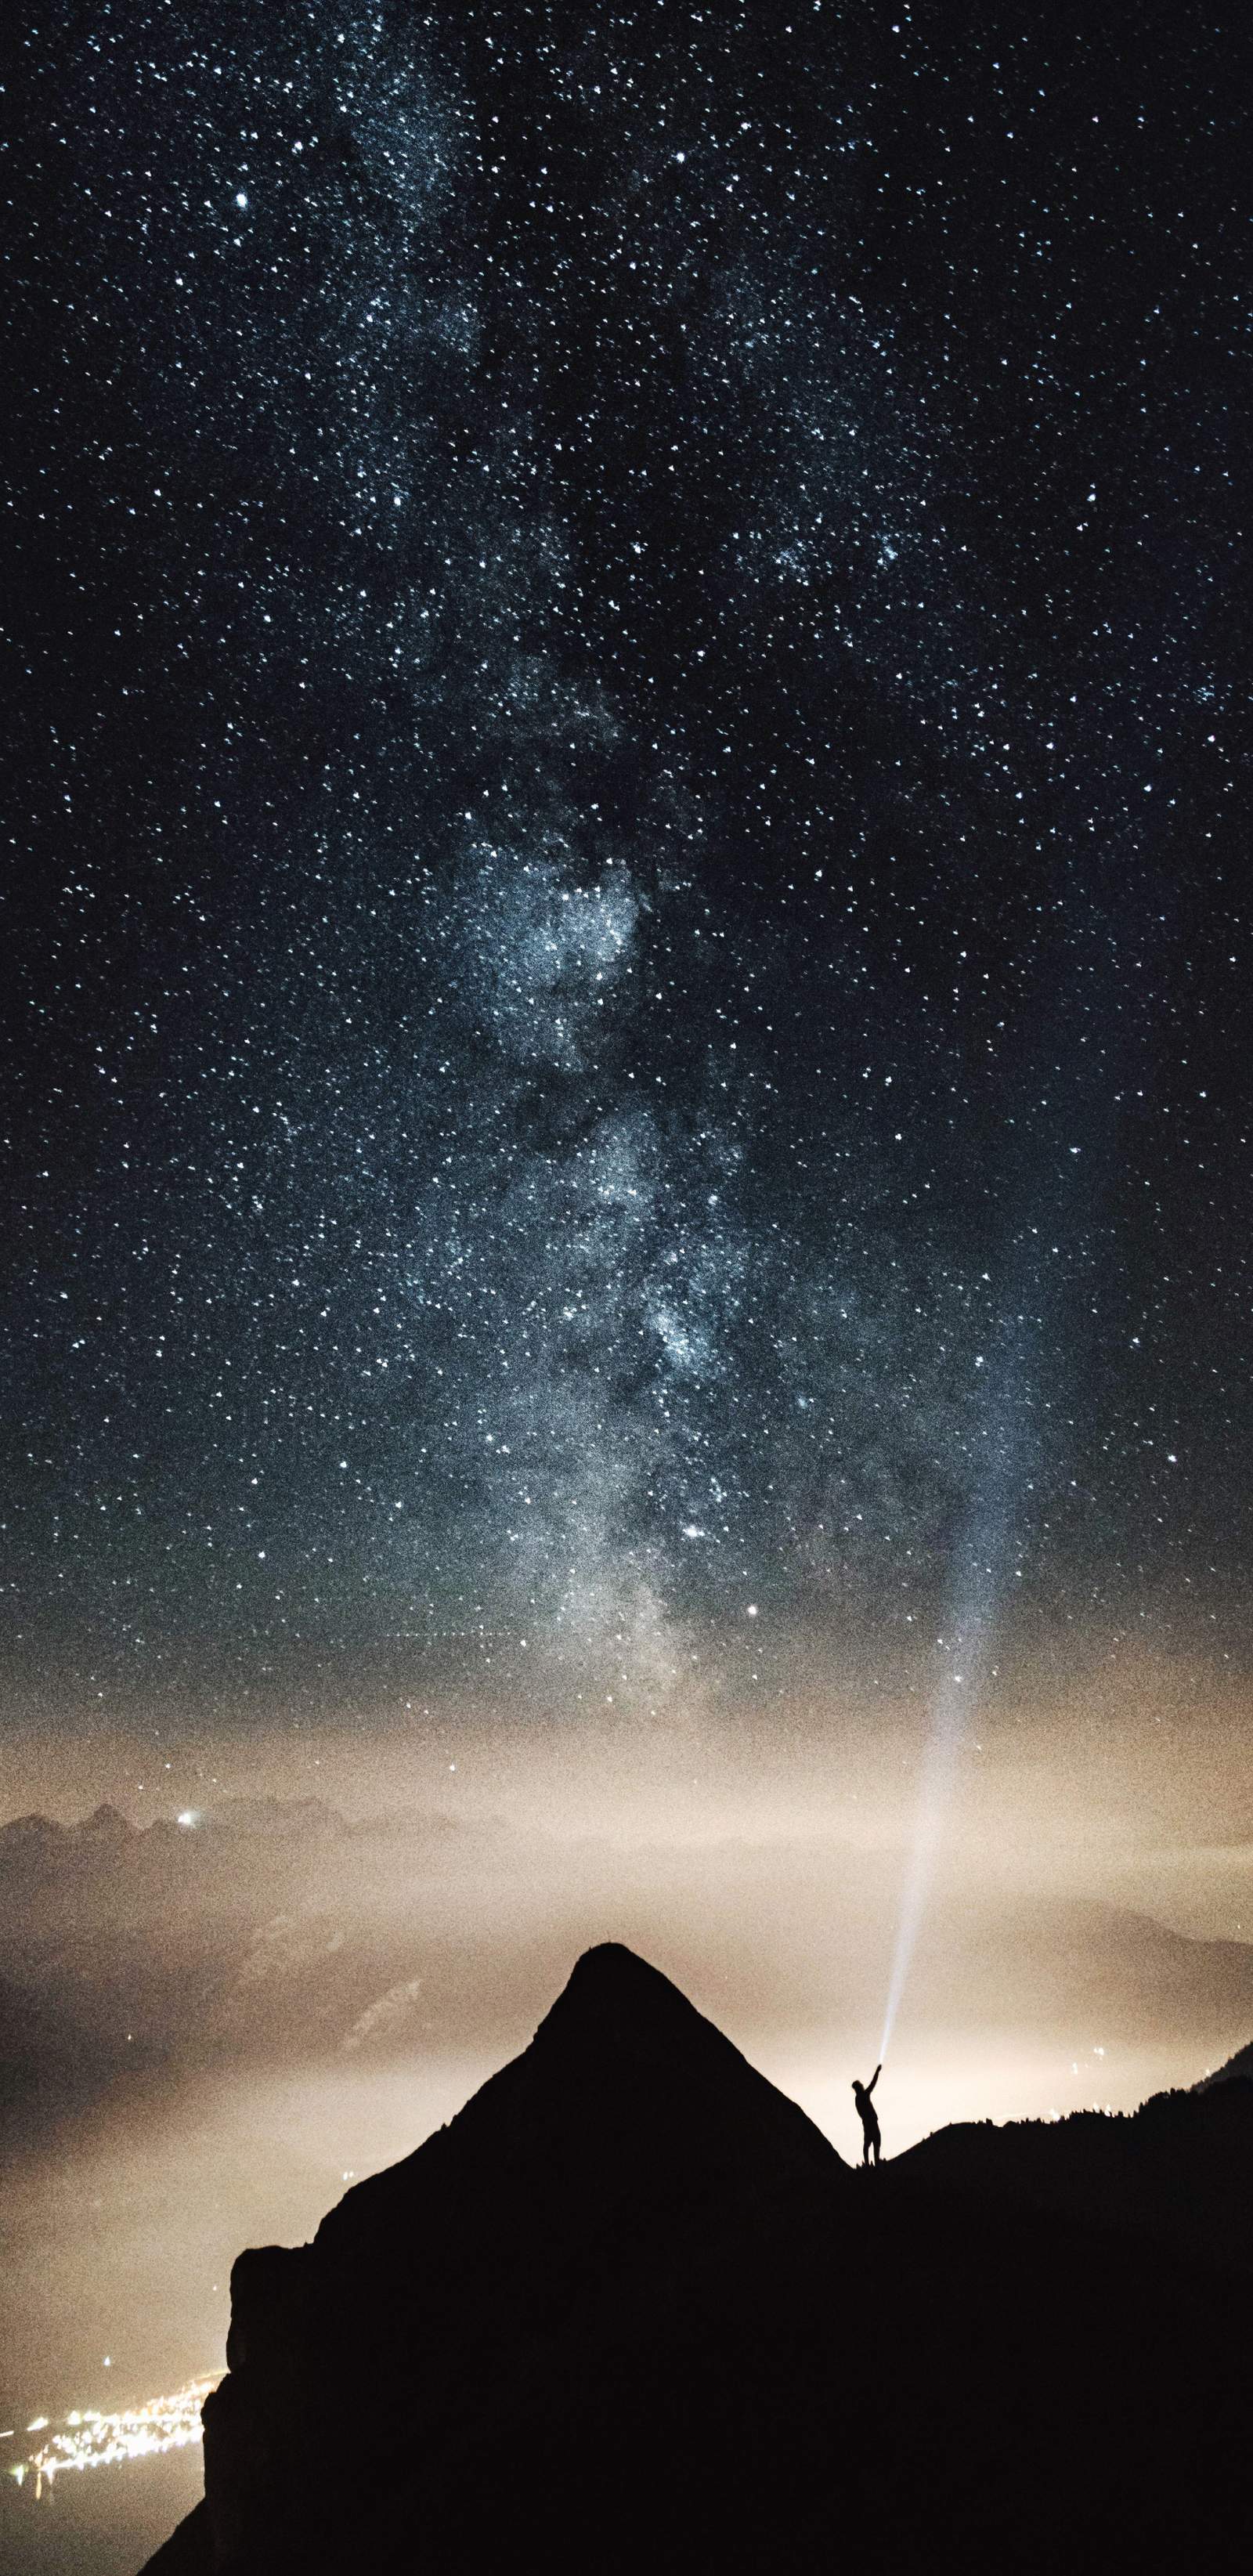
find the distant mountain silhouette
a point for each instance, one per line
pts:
(630, 2310)
(106, 1825)
(258, 1931)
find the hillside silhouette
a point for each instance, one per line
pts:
(1177, 2172)
(1235, 2069)
(630, 2309)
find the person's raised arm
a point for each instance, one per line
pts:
(874, 2078)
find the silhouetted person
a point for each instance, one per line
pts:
(871, 2142)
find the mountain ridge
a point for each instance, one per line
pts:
(630, 2306)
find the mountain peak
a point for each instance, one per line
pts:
(610, 1990)
(106, 1824)
(624, 2087)
(610, 1965)
(629, 2307)
(620, 2033)
(35, 1833)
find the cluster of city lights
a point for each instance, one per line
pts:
(90, 2439)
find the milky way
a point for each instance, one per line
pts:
(628, 951)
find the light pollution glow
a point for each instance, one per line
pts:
(87, 2438)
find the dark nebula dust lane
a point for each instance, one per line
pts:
(628, 956)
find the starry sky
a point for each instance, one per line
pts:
(627, 945)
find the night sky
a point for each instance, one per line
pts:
(626, 970)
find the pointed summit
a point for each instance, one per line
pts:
(624, 2089)
(613, 1996)
(106, 1824)
(610, 1976)
(626, 2180)
(612, 1960)
(615, 2004)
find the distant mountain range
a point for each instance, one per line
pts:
(630, 2310)
(239, 1936)
(265, 1932)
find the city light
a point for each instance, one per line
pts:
(87, 2438)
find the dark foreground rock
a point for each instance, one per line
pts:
(630, 2310)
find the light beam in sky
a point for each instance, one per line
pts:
(987, 1562)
